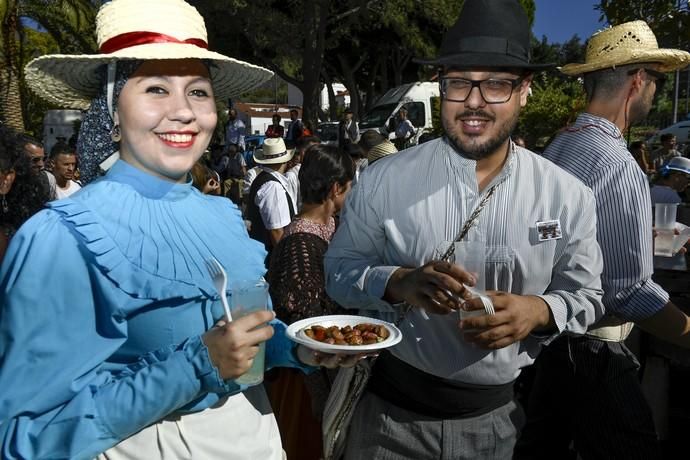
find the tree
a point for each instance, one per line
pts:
(70, 22)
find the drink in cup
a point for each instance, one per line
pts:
(471, 257)
(248, 297)
(664, 224)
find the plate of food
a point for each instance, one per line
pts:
(348, 334)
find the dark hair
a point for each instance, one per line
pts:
(370, 139)
(10, 150)
(323, 166)
(294, 111)
(636, 145)
(30, 191)
(355, 150)
(302, 142)
(604, 82)
(666, 137)
(24, 139)
(61, 148)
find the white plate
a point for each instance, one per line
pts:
(295, 332)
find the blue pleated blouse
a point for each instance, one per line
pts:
(103, 300)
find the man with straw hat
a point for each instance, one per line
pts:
(446, 391)
(599, 402)
(270, 206)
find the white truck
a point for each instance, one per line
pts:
(416, 97)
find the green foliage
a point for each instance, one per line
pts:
(554, 104)
(36, 44)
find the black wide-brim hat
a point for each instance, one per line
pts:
(488, 33)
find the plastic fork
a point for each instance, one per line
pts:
(220, 281)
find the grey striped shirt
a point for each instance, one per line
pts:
(406, 204)
(593, 150)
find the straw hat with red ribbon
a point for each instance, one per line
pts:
(139, 30)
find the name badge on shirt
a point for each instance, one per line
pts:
(549, 230)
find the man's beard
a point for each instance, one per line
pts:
(480, 151)
(639, 110)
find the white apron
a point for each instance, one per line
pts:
(241, 427)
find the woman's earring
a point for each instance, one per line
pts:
(115, 134)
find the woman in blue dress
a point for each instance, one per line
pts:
(113, 342)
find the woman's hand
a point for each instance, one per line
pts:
(329, 360)
(233, 346)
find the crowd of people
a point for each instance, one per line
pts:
(133, 356)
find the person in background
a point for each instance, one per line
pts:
(233, 176)
(205, 179)
(348, 131)
(381, 150)
(640, 153)
(275, 129)
(519, 140)
(671, 181)
(446, 390)
(359, 158)
(297, 286)
(270, 205)
(667, 151)
(34, 150)
(294, 165)
(24, 190)
(404, 130)
(64, 160)
(130, 354)
(235, 130)
(295, 129)
(605, 413)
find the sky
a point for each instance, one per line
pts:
(559, 20)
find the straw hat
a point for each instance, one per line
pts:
(628, 43)
(381, 150)
(273, 152)
(139, 29)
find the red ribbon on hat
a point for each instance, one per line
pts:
(129, 39)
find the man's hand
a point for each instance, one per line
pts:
(516, 316)
(436, 286)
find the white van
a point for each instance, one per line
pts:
(416, 97)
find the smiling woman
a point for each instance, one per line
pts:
(131, 354)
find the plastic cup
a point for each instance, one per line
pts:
(471, 257)
(248, 297)
(664, 224)
(665, 216)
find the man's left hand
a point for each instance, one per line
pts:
(516, 316)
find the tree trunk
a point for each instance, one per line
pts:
(10, 95)
(316, 19)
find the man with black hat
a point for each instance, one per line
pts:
(348, 131)
(605, 412)
(446, 390)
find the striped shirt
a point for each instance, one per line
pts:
(406, 204)
(593, 150)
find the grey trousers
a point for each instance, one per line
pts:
(383, 431)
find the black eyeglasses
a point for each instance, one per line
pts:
(492, 90)
(660, 78)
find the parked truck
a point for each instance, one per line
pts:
(417, 98)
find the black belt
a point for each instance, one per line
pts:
(414, 390)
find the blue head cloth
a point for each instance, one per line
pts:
(94, 144)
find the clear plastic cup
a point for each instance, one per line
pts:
(471, 257)
(248, 297)
(665, 216)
